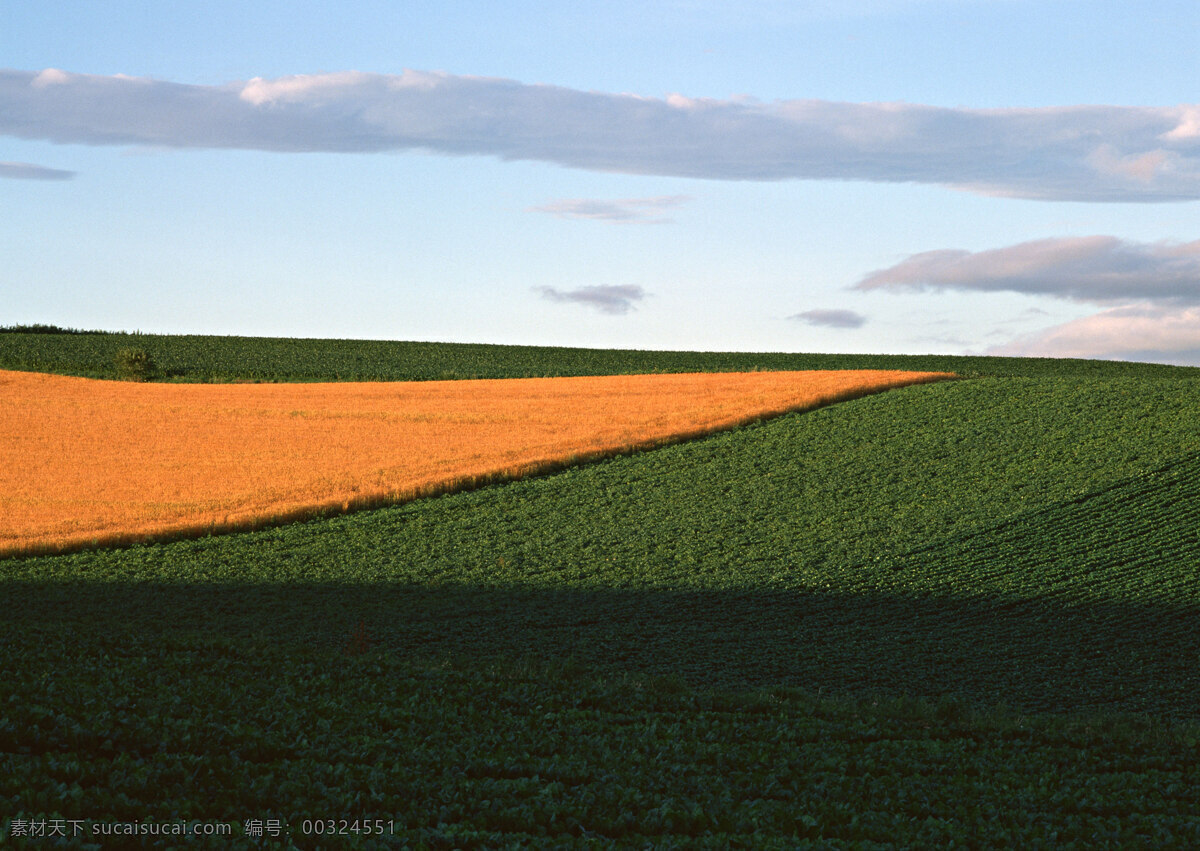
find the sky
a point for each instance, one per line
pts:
(1015, 177)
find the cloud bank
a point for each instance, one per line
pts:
(831, 318)
(621, 210)
(1098, 269)
(1143, 332)
(1082, 153)
(606, 299)
(1155, 288)
(30, 171)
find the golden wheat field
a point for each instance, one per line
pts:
(86, 462)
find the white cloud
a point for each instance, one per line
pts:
(1087, 153)
(1144, 332)
(50, 77)
(606, 299)
(1097, 269)
(1188, 128)
(621, 210)
(31, 171)
(299, 88)
(831, 318)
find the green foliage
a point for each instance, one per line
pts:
(525, 755)
(1128, 544)
(39, 328)
(134, 364)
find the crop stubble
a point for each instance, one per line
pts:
(86, 462)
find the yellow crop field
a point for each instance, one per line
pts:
(86, 462)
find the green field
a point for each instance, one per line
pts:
(965, 612)
(200, 358)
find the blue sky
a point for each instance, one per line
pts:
(962, 176)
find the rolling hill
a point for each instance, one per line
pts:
(953, 612)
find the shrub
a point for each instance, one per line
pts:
(134, 364)
(40, 328)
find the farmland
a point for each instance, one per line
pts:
(194, 358)
(180, 460)
(956, 612)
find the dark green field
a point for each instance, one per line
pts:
(201, 358)
(965, 612)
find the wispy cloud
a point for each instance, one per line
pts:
(831, 318)
(1086, 153)
(621, 210)
(606, 299)
(30, 171)
(1098, 269)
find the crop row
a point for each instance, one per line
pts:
(519, 755)
(1137, 540)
